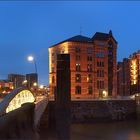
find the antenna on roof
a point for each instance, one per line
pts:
(80, 30)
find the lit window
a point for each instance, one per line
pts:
(89, 78)
(78, 67)
(78, 78)
(78, 90)
(89, 67)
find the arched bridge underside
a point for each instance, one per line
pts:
(15, 99)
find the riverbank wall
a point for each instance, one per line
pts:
(99, 110)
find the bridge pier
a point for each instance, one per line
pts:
(63, 98)
(19, 123)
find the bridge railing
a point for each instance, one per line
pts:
(41, 104)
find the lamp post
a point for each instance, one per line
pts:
(35, 84)
(31, 59)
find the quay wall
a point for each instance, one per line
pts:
(98, 110)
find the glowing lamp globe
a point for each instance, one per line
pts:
(30, 58)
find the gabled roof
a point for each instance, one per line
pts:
(103, 36)
(77, 38)
(98, 36)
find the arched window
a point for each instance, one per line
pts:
(89, 78)
(78, 78)
(78, 67)
(78, 90)
(89, 67)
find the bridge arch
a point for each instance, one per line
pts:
(15, 99)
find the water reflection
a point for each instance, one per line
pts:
(106, 131)
(129, 130)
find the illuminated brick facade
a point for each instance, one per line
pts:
(135, 72)
(128, 73)
(92, 63)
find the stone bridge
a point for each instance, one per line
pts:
(20, 114)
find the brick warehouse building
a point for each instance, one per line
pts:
(129, 75)
(135, 72)
(92, 63)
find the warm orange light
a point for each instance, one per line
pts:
(35, 84)
(104, 93)
(133, 71)
(41, 86)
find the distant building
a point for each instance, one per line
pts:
(123, 77)
(92, 63)
(129, 75)
(17, 79)
(6, 86)
(31, 78)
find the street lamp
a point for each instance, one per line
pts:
(104, 93)
(31, 59)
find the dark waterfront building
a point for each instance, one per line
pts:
(129, 75)
(92, 63)
(17, 79)
(31, 79)
(123, 77)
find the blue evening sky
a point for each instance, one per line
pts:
(31, 27)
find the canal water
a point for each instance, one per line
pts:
(129, 130)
